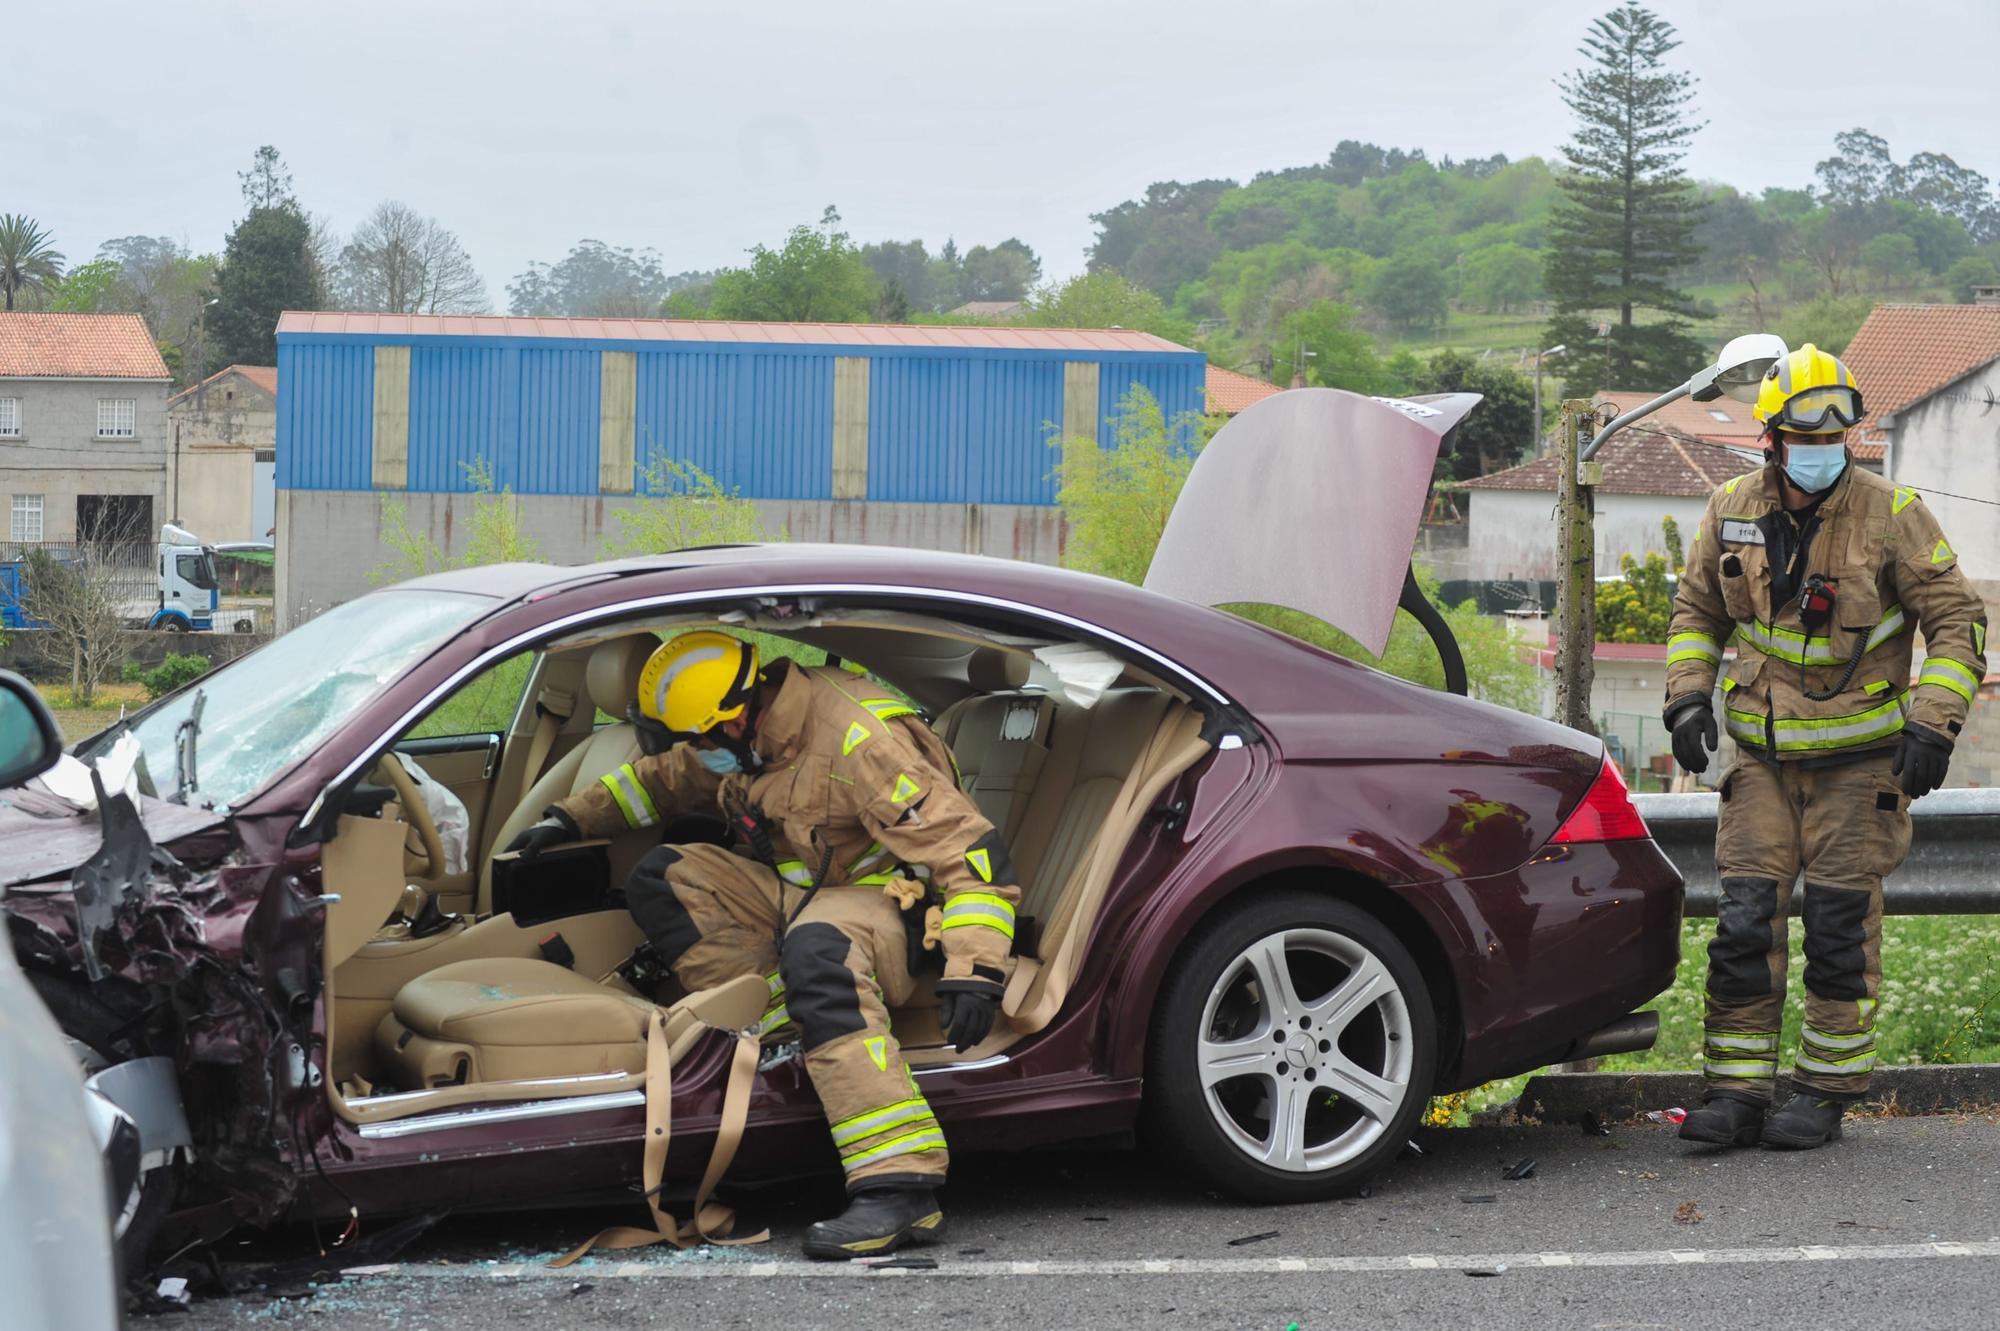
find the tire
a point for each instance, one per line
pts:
(174, 624)
(1220, 1056)
(95, 1033)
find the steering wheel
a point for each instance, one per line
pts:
(389, 772)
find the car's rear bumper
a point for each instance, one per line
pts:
(1560, 948)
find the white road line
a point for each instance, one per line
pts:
(693, 1267)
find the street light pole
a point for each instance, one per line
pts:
(1555, 350)
(1736, 372)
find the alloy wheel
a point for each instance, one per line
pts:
(1305, 1050)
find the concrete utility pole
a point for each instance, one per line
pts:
(1576, 558)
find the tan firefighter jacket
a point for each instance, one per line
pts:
(1895, 573)
(850, 778)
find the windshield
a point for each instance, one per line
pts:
(270, 709)
(197, 569)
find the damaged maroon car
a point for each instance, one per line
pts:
(1271, 898)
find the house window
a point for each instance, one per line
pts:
(117, 417)
(25, 523)
(10, 418)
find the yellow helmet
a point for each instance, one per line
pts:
(693, 683)
(1808, 392)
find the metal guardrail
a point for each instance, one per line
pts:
(1953, 867)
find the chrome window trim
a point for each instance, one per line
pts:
(584, 618)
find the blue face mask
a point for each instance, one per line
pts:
(1815, 467)
(719, 761)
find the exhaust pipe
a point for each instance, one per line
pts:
(1627, 1035)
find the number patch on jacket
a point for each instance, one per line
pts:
(1742, 533)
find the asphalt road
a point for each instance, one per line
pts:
(1896, 1226)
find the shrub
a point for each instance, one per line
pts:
(177, 669)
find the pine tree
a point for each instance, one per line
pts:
(1625, 224)
(267, 268)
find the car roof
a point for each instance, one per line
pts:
(817, 562)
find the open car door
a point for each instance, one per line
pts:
(1311, 500)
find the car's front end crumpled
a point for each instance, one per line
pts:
(195, 955)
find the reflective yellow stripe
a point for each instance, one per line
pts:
(853, 1129)
(1795, 647)
(1693, 647)
(1904, 497)
(1949, 674)
(794, 872)
(1746, 1069)
(630, 793)
(1826, 732)
(888, 709)
(1765, 1043)
(995, 912)
(869, 858)
(773, 1019)
(1837, 1067)
(1819, 1039)
(930, 1139)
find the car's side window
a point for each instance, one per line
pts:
(484, 706)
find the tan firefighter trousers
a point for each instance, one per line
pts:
(1846, 827)
(713, 916)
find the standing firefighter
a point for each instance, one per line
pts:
(849, 803)
(1823, 572)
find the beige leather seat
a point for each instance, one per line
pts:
(611, 682)
(1091, 752)
(508, 1018)
(1045, 772)
(1000, 737)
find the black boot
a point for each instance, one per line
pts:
(1724, 1120)
(876, 1221)
(1808, 1119)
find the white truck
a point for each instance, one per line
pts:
(188, 594)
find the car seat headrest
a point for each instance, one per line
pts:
(611, 676)
(991, 670)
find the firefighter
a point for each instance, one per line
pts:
(851, 807)
(1823, 572)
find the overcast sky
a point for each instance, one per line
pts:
(700, 128)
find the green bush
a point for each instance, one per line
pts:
(177, 669)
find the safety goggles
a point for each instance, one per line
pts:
(1826, 410)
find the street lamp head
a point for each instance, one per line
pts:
(1739, 369)
(1556, 350)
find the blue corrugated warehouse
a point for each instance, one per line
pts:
(900, 434)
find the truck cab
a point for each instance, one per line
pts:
(189, 592)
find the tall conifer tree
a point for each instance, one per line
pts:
(1625, 226)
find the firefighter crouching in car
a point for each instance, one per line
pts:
(1823, 571)
(844, 796)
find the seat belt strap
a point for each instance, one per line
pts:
(552, 708)
(711, 1221)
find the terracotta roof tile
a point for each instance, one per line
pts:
(264, 376)
(77, 346)
(1230, 392)
(297, 323)
(1904, 353)
(1642, 459)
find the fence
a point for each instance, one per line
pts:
(1950, 869)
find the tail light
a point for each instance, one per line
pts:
(1606, 813)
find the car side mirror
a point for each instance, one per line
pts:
(29, 740)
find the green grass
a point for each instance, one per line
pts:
(80, 722)
(1940, 997)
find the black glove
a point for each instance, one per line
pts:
(966, 1008)
(1694, 735)
(555, 828)
(1921, 761)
